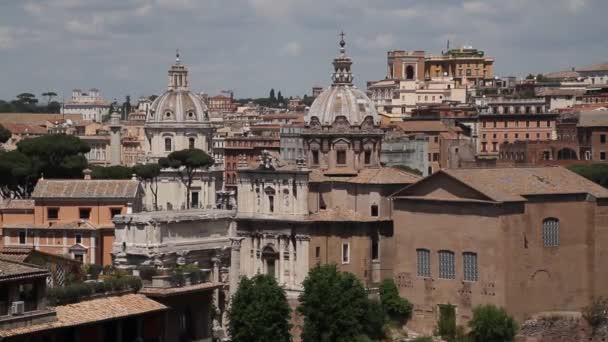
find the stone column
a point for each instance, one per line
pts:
(280, 263)
(216, 279)
(235, 263)
(291, 262)
(115, 144)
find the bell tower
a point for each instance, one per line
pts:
(178, 75)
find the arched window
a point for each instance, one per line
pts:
(423, 262)
(191, 142)
(409, 72)
(447, 267)
(168, 145)
(469, 260)
(551, 232)
(374, 210)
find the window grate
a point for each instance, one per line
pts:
(447, 269)
(470, 266)
(423, 257)
(551, 232)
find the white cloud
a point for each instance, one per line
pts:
(292, 48)
(379, 41)
(7, 40)
(478, 7)
(576, 5)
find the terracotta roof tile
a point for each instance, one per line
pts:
(512, 184)
(11, 270)
(414, 126)
(81, 188)
(91, 311)
(593, 118)
(17, 204)
(25, 128)
(381, 175)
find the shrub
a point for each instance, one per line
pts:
(491, 323)
(196, 274)
(396, 307)
(423, 339)
(177, 277)
(147, 272)
(595, 313)
(94, 270)
(375, 320)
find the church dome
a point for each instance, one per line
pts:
(178, 104)
(342, 98)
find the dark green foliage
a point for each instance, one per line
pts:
(596, 172)
(5, 134)
(446, 327)
(187, 162)
(196, 273)
(56, 155)
(93, 270)
(375, 320)
(177, 277)
(271, 97)
(28, 103)
(148, 173)
(408, 169)
(333, 304)
(17, 175)
(423, 339)
(147, 272)
(596, 312)
(492, 324)
(399, 309)
(76, 292)
(259, 311)
(111, 172)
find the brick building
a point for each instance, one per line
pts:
(243, 151)
(70, 217)
(526, 239)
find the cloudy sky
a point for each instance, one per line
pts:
(125, 46)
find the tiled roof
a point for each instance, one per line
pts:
(92, 311)
(341, 214)
(560, 92)
(20, 254)
(593, 118)
(562, 74)
(512, 184)
(420, 126)
(381, 175)
(595, 67)
(170, 291)
(75, 224)
(11, 270)
(89, 188)
(24, 128)
(35, 118)
(17, 204)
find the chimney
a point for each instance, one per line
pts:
(87, 173)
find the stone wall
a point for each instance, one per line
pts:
(560, 326)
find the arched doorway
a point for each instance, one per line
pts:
(270, 257)
(566, 154)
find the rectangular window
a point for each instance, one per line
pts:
(84, 213)
(315, 157)
(78, 238)
(115, 211)
(551, 232)
(602, 155)
(548, 123)
(368, 157)
(484, 147)
(603, 138)
(435, 157)
(341, 157)
(22, 238)
(52, 213)
(271, 203)
(447, 268)
(194, 199)
(317, 252)
(375, 248)
(374, 210)
(470, 266)
(423, 262)
(345, 253)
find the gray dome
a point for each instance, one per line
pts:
(178, 106)
(342, 100)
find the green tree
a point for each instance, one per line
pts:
(596, 172)
(530, 77)
(334, 305)
(111, 172)
(399, 309)
(17, 175)
(492, 324)
(272, 97)
(375, 320)
(540, 78)
(148, 173)
(49, 96)
(27, 98)
(280, 98)
(187, 162)
(56, 155)
(5, 134)
(259, 311)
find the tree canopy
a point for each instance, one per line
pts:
(187, 162)
(148, 173)
(17, 175)
(397, 308)
(56, 155)
(492, 324)
(334, 305)
(5, 134)
(28, 103)
(596, 172)
(259, 311)
(111, 172)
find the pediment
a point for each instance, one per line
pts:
(444, 187)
